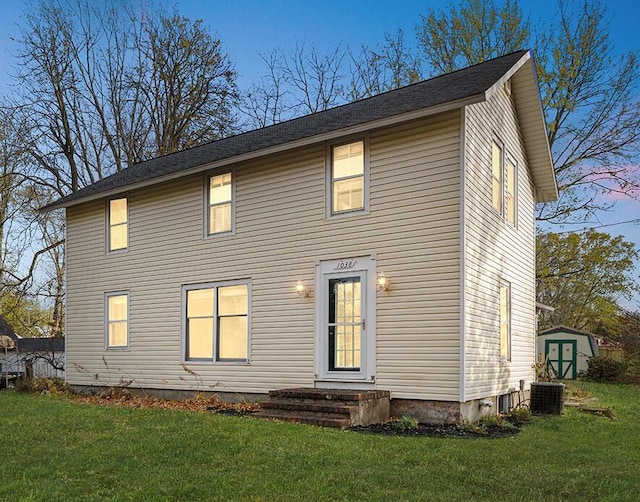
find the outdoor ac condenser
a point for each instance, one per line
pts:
(547, 398)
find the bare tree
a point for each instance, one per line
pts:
(592, 107)
(99, 87)
(389, 67)
(306, 81)
(590, 96)
(106, 87)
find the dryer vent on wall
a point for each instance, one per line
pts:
(547, 398)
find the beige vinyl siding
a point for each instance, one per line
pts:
(281, 232)
(495, 250)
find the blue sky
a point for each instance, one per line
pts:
(248, 27)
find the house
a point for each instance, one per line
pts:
(567, 350)
(9, 367)
(387, 244)
(42, 357)
(30, 357)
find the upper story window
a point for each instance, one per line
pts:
(503, 183)
(118, 218)
(510, 191)
(505, 320)
(496, 175)
(117, 320)
(217, 322)
(348, 177)
(220, 204)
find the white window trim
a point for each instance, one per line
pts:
(329, 177)
(108, 226)
(207, 176)
(503, 283)
(214, 359)
(108, 295)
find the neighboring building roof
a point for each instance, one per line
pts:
(49, 344)
(593, 339)
(7, 330)
(453, 90)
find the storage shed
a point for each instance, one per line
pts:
(567, 350)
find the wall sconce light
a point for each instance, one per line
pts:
(302, 290)
(382, 282)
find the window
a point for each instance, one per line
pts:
(348, 177)
(117, 320)
(118, 225)
(503, 184)
(220, 204)
(510, 192)
(217, 322)
(496, 170)
(505, 320)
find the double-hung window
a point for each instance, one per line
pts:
(496, 176)
(118, 223)
(510, 191)
(117, 320)
(503, 183)
(348, 177)
(505, 320)
(220, 203)
(217, 322)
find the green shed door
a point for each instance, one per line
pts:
(561, 356)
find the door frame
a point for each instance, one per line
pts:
(560, 360)
(364, 266)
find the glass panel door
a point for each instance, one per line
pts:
(345, 323)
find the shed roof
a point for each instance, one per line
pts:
(450, 91)
(593, 339)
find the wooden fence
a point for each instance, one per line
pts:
(615, 353)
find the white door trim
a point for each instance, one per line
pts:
(364, 266)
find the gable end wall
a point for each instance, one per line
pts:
(495, 250)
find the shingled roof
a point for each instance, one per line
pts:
(455, 89)
(48, 344)
(6, 329)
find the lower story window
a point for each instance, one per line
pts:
(217, 322)
(505, 320)
(117, 319)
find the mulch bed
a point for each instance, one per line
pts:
(197, 403)
(438, 430)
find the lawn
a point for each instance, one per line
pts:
(56, 449)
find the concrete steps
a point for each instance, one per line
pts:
(327, 407)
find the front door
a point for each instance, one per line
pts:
(345, 323)
(561, 357)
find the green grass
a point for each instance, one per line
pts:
(54, 449)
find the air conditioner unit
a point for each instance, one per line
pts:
(547, 398)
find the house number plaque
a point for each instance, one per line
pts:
(346, 264)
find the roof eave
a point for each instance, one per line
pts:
(526, 92)
(366, 126)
